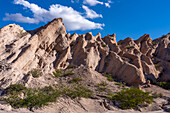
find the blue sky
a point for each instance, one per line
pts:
(126, 18)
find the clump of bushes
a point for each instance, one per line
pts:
(131, 98)
(102, 84)
(70, 66)
(32, 97)
(154, 43)
(41, 97)
(128, 47)
(57, 73)
(165, 85)
(108, 76)
(15, 88)
(104, 45)
(119, 84)
(68, 73)
(156, 95)
(36, 73)
(78, 91)
(76, 80)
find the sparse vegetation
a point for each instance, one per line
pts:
(156, 95)
(104, 45)
(41, 97)
(15, 89)
(36, 73)
(76, 80)
(119, 84)
(102, 87)
(79, 91)
(103, 83)
(165, 85)
(128, 47)
(57, 73)
(109, 77)
(70, 66)
(154, 43)
(119, 43)
(68, 73)
(131, 98)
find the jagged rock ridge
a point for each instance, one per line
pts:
(50, 47)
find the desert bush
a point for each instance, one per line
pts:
(119, 84)
(156, 95)
(79, 91)
(131, 98)
(154, 43)
(104, 45)
(165, 85)
(103, 83)
(41, 97)
(108, 76)
(68, 73)
(76, 80)
(128, 47)
(70, 66)
(15, 88)
(34, 97)
(57, 73)
(36, 73)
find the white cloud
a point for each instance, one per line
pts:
(108, 4)
(19, 18)
(73, 1)
(92, 2)
(90, 13)
(72, 19)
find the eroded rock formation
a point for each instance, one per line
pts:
(50, 47)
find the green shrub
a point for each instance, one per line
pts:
(79, 91)
(165, 85)
(15, 89)
(154, 43)
(76, 80)
(70, 66)
(128, 47)
(156, 95)
(119, 43)
(119, 84)
(68, 73)
(131, 98)
(34, 97)
(41, 97)
(109, 77)
(36, 73)
(102, 84)
(57, 73)
(102, 87)
(104, 45)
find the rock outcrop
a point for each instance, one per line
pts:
(50, 47)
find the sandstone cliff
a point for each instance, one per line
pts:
(50, 47)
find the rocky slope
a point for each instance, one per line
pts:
(50, 47)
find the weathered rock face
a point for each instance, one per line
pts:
(50, 47)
